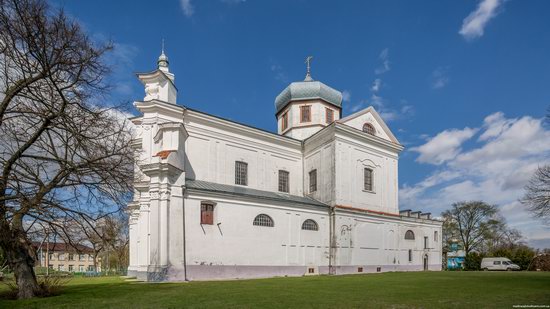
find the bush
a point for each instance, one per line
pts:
(473, 261)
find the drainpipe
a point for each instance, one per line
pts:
(332, 240)
(184, 235)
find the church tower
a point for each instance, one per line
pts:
(305, 107)
(156, 212)
(159, 84)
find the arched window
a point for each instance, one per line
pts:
(369, 129)
(409, 235)
(263, 220)
(310, 225)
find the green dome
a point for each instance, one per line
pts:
(308, 90)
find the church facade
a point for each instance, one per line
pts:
(216, 199)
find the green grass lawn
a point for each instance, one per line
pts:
(395, 290)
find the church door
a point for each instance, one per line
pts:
(425, 262)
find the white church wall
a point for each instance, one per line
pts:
(319, 155)
(234, 248)
(352, 157)
(213, 148)
(373, 244)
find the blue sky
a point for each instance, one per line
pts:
(464, 85)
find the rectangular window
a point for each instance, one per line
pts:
(305, 113)
(82, 257)
(50, 256)
(425, 242)
(410, 255)
(71, 267)
(283, 181)
(241, 173)
(61, 256)
(71, 257)
(284, 121)
(207, 213)
(496, 263)
(329, 115)
(368, 179)
(61, 267)
(81, 268)
(313, 181)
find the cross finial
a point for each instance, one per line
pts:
(163, 46)
(308, 73)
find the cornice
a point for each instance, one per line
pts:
(239, 128)
(154, 105)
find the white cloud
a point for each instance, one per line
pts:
(474, 24)
(187, 7)
(346, 96)
(444, 146)
(387, 112)
(376, 85)
(440, 77)
(494, 124)
(121, 61)
(384, 57)
(495, 169)
(280, 73)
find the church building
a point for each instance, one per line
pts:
(217, 199)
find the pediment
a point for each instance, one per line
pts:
(369, 116)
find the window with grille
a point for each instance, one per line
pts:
(283, 181)
(207, 213)
(305, 113)
(313, 181)
(310, 225)
(409, 235)
(241, 173)
(369, 129)
(263, 220)
(284, 121)
(410, 255)
(368, 185)
(329, 115)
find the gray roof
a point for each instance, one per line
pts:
(244, 191)
(307, 90)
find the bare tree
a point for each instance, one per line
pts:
(471, 222)
(117, 239)
(537, 193)
(64, 158)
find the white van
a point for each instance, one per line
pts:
(498, 263)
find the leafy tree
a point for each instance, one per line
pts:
(520, 255)
(64, 159)
(471, 222)
(472, 261)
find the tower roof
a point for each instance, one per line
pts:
(308, 90)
